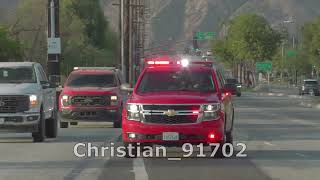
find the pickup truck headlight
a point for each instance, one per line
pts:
(33, 101)
(210, 112)
(134, 112)
(114, 100)
(66, 100)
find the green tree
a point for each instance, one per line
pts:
(311, 42)
(9, 49)
(86, 37)
(80, 48)
(220, 49)
(96, 26)
(252, 38)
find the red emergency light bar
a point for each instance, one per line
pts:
(175, 61)
(158, 62)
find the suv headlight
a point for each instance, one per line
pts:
(66, 100)
(210, 112)
(33, 101)
(134, 112)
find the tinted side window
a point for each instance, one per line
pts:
(220, 80)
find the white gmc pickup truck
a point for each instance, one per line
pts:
(27, 100)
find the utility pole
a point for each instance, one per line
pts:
(54, 42)
(132, 36)
(123, 67)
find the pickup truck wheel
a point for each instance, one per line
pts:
(52, 126)
(64, 124)
(41, 134)
(116, 124)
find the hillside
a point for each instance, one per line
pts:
(177, 19)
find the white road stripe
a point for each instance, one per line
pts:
(268, 143)
(301, 155)
(174, 159)
(302, 122)
(139, 169)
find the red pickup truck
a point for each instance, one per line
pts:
(91, 94)
(178, 101)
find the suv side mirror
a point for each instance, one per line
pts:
(126, 87)
(45, 84)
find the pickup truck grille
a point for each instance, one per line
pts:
(170, 114)
(90, 100)
(14, 104)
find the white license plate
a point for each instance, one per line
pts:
(1, 120)
(170, 136)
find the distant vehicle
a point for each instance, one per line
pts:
(91, 94)
(233, 86)
(209, 53)
(27, 100)
(310, 86)
(178, 101)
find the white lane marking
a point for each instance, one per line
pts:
(301, 155)
(302, 122)
(174, 159)
(268, 143)
(139, 169)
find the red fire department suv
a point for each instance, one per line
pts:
(178, 101)
(91, 94)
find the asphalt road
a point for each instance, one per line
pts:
(282, 138)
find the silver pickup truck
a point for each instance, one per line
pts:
(27, 100)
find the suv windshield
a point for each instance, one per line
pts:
(17, 75)
(176, 81)
(92, 80)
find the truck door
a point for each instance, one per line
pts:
(48, 93)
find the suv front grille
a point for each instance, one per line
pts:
(90, 100)
(170, 114)
(163, 119)
(14, 104)
(174, 107)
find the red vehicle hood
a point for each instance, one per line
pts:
(174, 98)
(90, 91)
